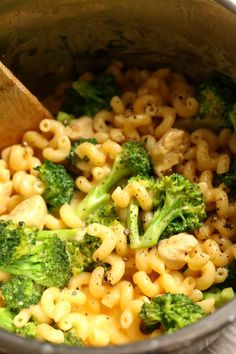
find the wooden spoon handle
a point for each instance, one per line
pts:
(19, 109)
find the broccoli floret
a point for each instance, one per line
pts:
(216, 98)
(64, 118)
(44, 261)
(88, 97)
(10, 237)
(229, 178)
(171, 311)
(59, 184)
(28, 331)
(48, 257)
(73, 157)
(180, 207)
(6, 319)
(133, 160)
(105, 215)
(230, 281)
(81, 254)
(71, 339)
(221, 296)
(20, 292)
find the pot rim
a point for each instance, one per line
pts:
(228, 4)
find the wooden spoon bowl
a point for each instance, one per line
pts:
(20, 110)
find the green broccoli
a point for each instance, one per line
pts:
(73, 157)
(232, 116)
(80, 251)
(48, 257)
(88, 97)
(6, 319)
(71, 339)
(179, 207)
(28, 331)
(10, 237)
(81, 254)
(230, 281)
(171, 311)
(44, 261)
(215, 101)
(20, 292)
(134, 222)
(216, 111)
(64, 118)
(105, 215)
(133, 160)
(229, 178)
(221, 296)
(59, 184)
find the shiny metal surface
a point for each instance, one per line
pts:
(46, 41)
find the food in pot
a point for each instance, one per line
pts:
(118, 217)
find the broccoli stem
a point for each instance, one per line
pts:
(133, 160)
(99, 195)
(132, 221)
(160, 220)
(62, 234)
(6, 319)
(156, 227)
(226, 295)
(221, 296)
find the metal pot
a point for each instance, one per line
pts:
(45, 42)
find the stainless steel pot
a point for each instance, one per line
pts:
(48, 41)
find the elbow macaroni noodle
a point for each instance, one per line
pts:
(102, 306)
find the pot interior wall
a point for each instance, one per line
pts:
(44, 42)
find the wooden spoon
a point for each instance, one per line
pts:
(20, 110)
